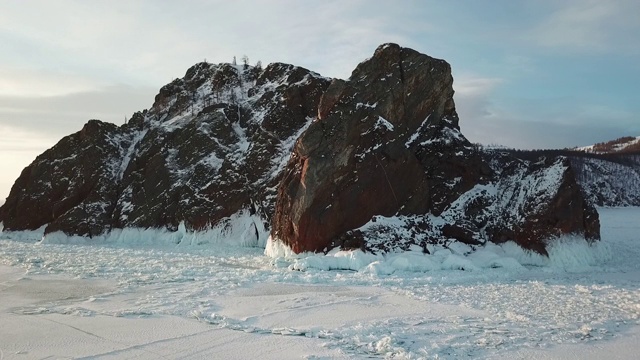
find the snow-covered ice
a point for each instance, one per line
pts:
(218, 300)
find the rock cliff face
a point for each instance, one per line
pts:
(609, 172)
(528, 203)
(385, 166)
(607, 178)
(378, 163)
(211, 148)
(70, 185)
(610, 180)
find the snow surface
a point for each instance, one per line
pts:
(383, 123)
(131, 299)
(417, 133)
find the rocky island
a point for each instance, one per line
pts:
(375, 162)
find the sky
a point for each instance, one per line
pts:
(527, 74)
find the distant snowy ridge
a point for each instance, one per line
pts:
(623, 144)
(607, 178)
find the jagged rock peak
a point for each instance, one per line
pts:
(374, 150)
(206, 84)
(413, 72)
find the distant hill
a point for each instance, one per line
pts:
(626, 144)
(612, 177)
(608, 172)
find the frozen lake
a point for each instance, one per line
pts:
(134, 301)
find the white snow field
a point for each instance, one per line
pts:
(142, 301)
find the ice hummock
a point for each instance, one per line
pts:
(568, 253)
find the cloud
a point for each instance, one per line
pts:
(30, 125)
(149, 41)
(538, 135)
(473, 86)
(590, 26)
(19, 82)
(535, 123)
(57, 116)
(18, 148)
(473, 98)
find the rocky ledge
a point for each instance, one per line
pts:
(375, 162)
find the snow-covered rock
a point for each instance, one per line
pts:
(610, 181)
(609, 172)
(607, 177)
(210, 149)
(400, 173)
(376, 162)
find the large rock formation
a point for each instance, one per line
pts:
(379, 163)
(211, 148)
(385, 166)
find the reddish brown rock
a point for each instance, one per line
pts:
(539, 201)
(380, 147)
(385, 166)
